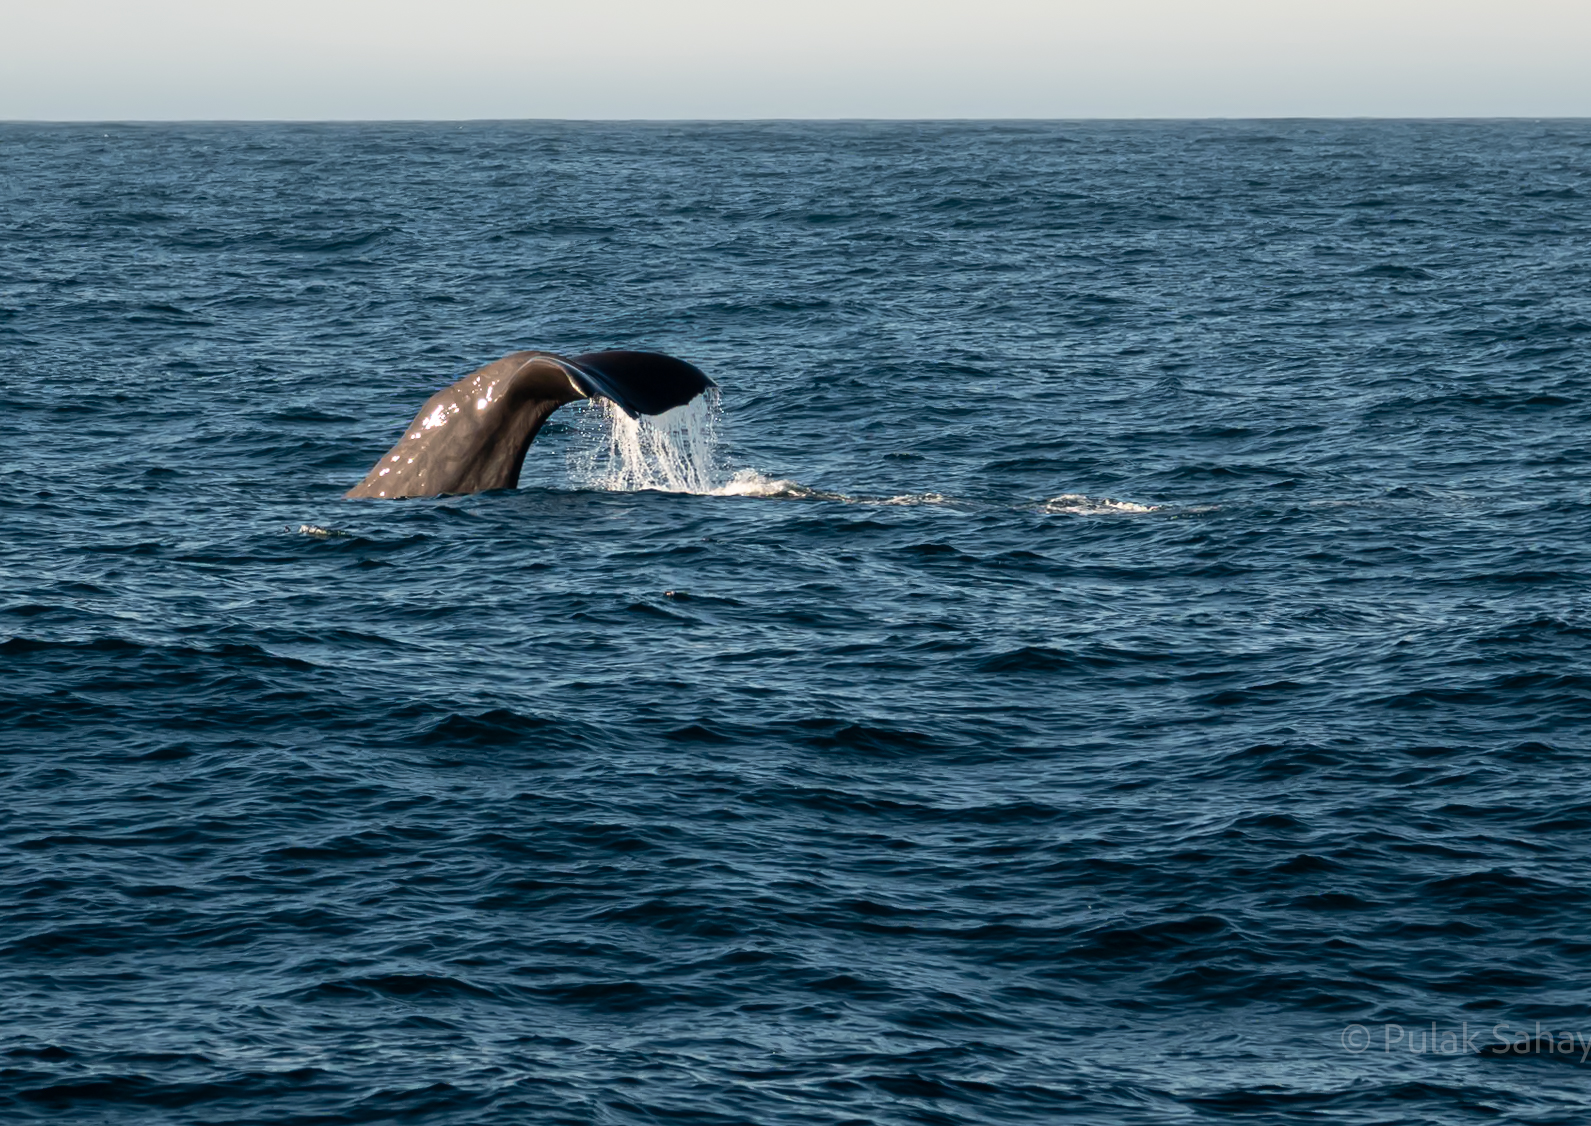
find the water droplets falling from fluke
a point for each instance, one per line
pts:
(674, 452)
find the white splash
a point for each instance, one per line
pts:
(1076, 504)
(673, 452)
(750, 483)
(677, 452)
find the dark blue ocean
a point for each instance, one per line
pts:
(1132, 663)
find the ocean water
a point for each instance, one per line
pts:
(1117, 650)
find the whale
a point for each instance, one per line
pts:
(473, 435)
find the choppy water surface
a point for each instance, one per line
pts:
(1131, 625)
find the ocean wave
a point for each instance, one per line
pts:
(1097, 647)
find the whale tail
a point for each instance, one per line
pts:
(473, 434)
(639, 382)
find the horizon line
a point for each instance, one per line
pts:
(836, 120)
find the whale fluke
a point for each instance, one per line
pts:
(472, 435)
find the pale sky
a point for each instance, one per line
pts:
(360, 59)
